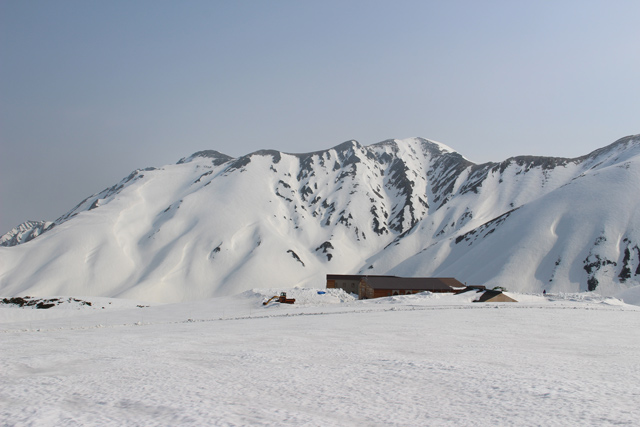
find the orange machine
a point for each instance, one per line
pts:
(282, 299)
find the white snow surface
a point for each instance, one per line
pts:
(327, 360)
(630, 296)
(212, 225)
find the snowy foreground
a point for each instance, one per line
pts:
(327, 360)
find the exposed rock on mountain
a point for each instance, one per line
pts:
(25, 232)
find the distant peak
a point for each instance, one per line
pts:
(277, 155)
(217, 157)
(621, 144)
(352, 143)
(426, 144)
(25, 232)
(442, 147)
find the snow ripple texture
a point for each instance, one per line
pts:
(427, 359)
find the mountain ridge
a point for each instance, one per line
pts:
(212, 224)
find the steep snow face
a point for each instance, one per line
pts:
(213, 225)
(576, 230)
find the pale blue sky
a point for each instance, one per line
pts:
(90, 90)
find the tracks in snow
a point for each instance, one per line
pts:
(252, 316)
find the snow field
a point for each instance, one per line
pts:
(328, 360)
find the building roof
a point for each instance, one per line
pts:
(344, 276)
(413, 283)
(494, 296)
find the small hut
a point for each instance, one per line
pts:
(494, 296)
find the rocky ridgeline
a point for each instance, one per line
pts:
(41, 303)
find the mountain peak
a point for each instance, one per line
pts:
(216, 157)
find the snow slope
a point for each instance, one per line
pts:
(212, 225)
(328, 360)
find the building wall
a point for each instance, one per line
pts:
(359, 286)
(365, 291)
(377, 293)
(349, 286)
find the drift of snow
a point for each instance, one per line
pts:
(327, 360)
(630, 296)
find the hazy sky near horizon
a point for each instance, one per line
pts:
(91, 90)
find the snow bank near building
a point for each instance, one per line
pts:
(303, 296)
(630, 296)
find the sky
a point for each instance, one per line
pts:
(90, 91)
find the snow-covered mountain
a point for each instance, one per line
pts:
(215, 225)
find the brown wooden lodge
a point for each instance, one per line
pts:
(383, 286)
